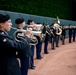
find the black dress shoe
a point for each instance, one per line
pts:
(33, 67)
(40, 58)
(57, 46)
(46, 52)
(53, 48)
(63, 44)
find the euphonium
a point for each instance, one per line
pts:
(19, 34)
(58, 29)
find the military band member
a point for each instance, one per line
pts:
(20, 22)
(31, 60)
(8, 59)
(63, 34)
(74, 33)
(57, 31)
(39, 46)
(47, 38)
(53, 37)
(36, 27)
(70, 29)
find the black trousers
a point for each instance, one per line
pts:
(52, 42)
(63, 39)
(57, 40)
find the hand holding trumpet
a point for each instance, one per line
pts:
(28, 32)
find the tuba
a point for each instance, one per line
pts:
(19, 35)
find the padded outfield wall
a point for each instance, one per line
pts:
(39, 19)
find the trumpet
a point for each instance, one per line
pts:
(38, 31)
(19, 34)
(37, 27)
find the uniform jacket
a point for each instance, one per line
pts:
(8, 59)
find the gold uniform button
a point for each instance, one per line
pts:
(4, 40)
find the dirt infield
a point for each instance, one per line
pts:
(61, 61)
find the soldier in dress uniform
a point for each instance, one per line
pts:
(47, 38)
(20, 34)
(70, 31)
(58, 32)
(8, 59)
(63, 34)
(74, 33)
(31, 59)
(53, 37)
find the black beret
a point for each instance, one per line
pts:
(28, 22)
(4, 18)
(19, 20)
